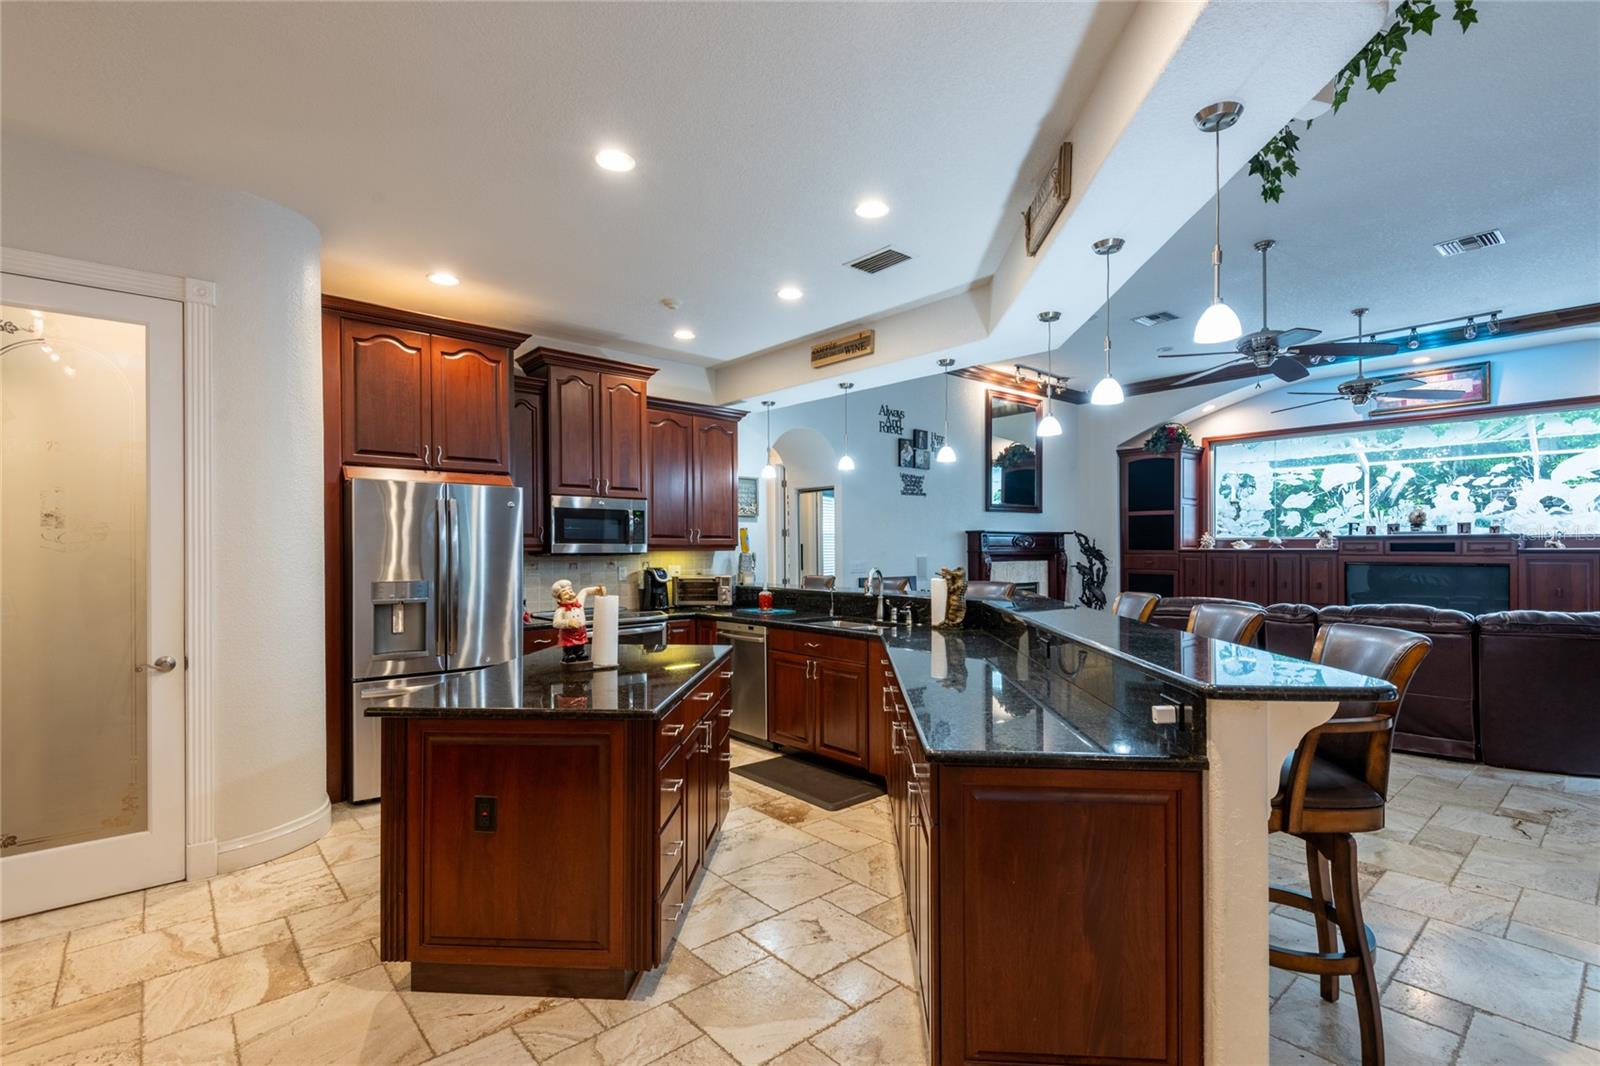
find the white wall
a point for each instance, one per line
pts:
(877, 525)
(266, 436)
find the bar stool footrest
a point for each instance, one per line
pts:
(1340, 963)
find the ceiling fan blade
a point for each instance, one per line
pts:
(1291, 337)
(1288, 369)
(1187, 355)
(1205, 373)
(1347, 348)
(1297, 406)
(1302, 392)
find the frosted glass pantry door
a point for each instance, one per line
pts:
(91, 593)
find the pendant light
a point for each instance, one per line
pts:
(846, 463)
(1219, 324)
(1107, 393)
(1048, 426)
(946, 454)
(769, 471)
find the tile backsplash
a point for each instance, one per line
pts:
(539, 572)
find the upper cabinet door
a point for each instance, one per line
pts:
(527, 462)
(471, 401)
(574, 412)
(671, 458)
(716, 488)
(385, 395)
(622, 439)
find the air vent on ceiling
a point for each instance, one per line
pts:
(882, 259)
(1155, 318)
(1471, 242)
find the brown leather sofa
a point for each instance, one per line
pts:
(1173, 611)
(1437, 715)
(1290, 629)
(1539, 690)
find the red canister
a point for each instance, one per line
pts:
(764, 599)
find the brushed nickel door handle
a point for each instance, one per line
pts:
(164, 665)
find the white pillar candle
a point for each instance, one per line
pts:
(939, 667)
(938, 599)
(604, 637)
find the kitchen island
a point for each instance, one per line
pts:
(543, 825)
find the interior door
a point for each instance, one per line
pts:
(91, 623)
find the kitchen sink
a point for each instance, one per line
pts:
(851, 623)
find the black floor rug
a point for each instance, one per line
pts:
(806, 780)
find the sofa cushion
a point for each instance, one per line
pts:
(1538, 672)
(1290, 629)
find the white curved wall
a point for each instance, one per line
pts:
(267, 451)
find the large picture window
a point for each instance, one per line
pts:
(1528, 472)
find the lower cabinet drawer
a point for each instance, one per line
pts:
(672, 784)
(537, 640)
(670, 907)
(672, 848)
(818, 645)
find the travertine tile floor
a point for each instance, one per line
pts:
(1482, 893)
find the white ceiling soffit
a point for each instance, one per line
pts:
(1141, 170)
(1495, 128)
(461, 136)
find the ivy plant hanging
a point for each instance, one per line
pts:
(1377, 64)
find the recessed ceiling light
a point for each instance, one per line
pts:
(1208, 408)
(55, 357)
(683, 334)
(790, 292)
(614, 159)
(67, 370)
(444, 277)
(1420, 359)
(872, 209)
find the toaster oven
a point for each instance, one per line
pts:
(703, 590)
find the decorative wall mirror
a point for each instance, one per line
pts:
(1013, 475)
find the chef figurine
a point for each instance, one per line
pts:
(572, 630)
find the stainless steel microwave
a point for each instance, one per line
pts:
(596, 525)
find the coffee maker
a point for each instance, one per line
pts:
(657, 595)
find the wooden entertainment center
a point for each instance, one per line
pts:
(1162, 503)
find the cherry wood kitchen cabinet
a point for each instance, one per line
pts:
(596, 411)
(694, 473)
(527, 458)
(682, 631)
(538, 639)
(817, 694)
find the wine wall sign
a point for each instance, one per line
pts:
(1049, 200)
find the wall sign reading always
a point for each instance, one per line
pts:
(890, 420)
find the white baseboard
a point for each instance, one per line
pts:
(200, 860)
(273, 843)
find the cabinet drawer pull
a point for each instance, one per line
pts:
(913, 814)
(672, 730)
(702, 695)
(673, 785)
(726, 712)
(673, 850)
(895, 733)
(725, 674)
(672, 912)
(920, 771)
(811, 644)
(726, 756)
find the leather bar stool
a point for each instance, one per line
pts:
(1137, 606)
(1232, 622)
(1332, 787)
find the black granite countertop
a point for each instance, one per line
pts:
(647, 682)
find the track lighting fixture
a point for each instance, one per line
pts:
(1470, 332)
(1048, 426)
(1494, 323)
(1218, 324)
(1413, 341)
(769, 471)
(1107, 392)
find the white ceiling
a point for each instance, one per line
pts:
(461, 136)
(1495, 128)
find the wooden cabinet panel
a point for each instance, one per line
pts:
(622, 436)
(573, 408)
(1254, 583)
(715, 483)
(1564, 584)
(694, 789)
(1118, 983)
(471, 402)
(1319, 579)
(527, 461)
(385, 391)
(1222, 575)
(681, 631)
(1283, 572)
(672, 447)
(1192, 576)
(788, 699)
(841, 699)
(880, 677)
(538, 640)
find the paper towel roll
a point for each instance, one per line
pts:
(603, 695)
(938, 599)
(939, 667)
(603, 641)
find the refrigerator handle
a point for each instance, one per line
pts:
(441, 598)
(455, 575)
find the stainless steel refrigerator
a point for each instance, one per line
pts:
(435, 591)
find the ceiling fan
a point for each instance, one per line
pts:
(1275, 350)
(1360, 389)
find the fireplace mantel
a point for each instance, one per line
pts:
(986, 547)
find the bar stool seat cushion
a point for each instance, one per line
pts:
(1329, 787)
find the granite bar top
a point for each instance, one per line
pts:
(648, 682)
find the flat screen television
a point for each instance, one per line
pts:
(1476, 588)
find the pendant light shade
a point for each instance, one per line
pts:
(769, 472)
(946, 453)
(846, 464)
(1107, 393)
(1218, 324)
(1048, 426)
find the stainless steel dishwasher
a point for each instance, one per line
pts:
(749, 678)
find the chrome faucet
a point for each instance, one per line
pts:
(875, 572)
